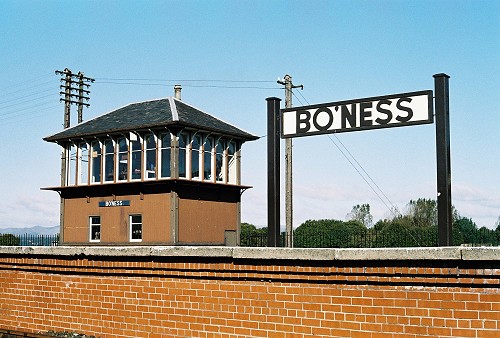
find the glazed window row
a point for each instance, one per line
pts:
(152, 156)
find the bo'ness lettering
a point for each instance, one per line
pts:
(119, 203)
(370, 113)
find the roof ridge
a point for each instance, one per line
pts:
(173, 109)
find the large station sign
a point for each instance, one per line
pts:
(419, 107)
(367, 113)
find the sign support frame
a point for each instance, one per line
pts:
(273, 171)
(442, 111)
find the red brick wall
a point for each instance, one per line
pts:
(182, 294)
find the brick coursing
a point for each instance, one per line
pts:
(228, 297)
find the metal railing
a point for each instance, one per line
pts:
(370, 238)
(29, 240)
(377, 239)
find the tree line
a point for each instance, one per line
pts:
(416, 226)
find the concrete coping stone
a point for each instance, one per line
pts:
(310, 254)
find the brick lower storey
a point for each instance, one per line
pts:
(179, 293)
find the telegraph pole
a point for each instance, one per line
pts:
(288, 165)
(81, 94)
(72, 94)
(67, 96)
(69, 80)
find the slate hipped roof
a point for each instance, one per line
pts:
(170, 112)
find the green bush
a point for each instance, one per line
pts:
(329, 233)
(9, 240)
(251, 236)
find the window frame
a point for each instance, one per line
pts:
(220, 176)
(92, 225)
(126, 153)
(133, 152)
(104, 155)
(186, 151)
(232, 162)
(131, 239)
(167, 148)
(147, 151)
(195, 154)
(83, 175)
(72, 164)
(208, 154)
(93, 161)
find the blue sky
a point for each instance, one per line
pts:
(338, 50)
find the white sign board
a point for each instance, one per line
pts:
(369, 113)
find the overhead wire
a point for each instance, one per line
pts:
(358, 171)
(27, 110)
(298, 98)
(9, 96)
(185, 83)
(392, 208)
(300, 92)
(369, 177)
(27, 83)
(25, 101)
(30, 99)
(356, 164)
(181, 80)
(28, 116)
(26, 98)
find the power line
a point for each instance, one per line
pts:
(368, 175)
(26, 84)
(39, 89)
(300, 93)
(26, 101)
(391, 210)
(27, 98)
(22, 111)
(298, 99)
(230, 87)
(28, 115)
(219, 83)
(361, 171)
(163, 84)
(360, 166)
(180, 80)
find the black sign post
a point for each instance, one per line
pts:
(442, 109)
(273, 171)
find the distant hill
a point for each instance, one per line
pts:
(36, 230)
